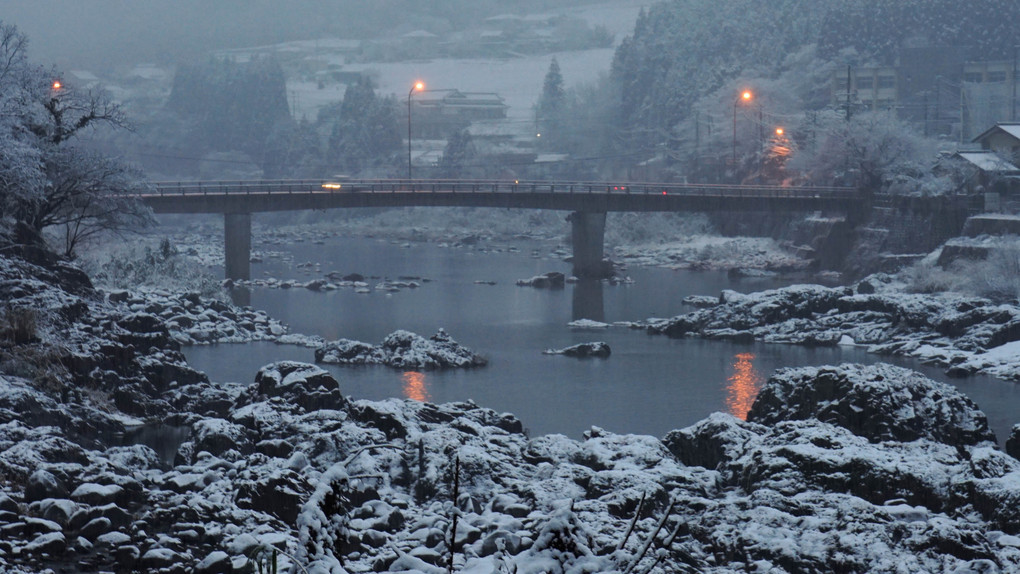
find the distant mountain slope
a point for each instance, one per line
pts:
(684, 49)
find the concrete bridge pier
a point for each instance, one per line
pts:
(237, 245)
(588, 231)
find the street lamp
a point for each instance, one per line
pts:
(417, 87)
(745, 96)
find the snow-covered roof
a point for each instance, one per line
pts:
(149, 72)
(1013, 129)
(551, 157)
(85, 76)
(988, 161)
(420, 34)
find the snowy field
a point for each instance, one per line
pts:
(517, 80)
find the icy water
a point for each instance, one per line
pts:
(650, 384)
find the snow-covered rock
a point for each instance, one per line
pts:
(596, 349)
(337, 485)
(587, 324)
(402, 350)
(878, 402)
(550, 280)
(1013, 442)
(964, 334)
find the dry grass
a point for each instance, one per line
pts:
(18, 326)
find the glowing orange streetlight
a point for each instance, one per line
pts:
(745, 96)
(418, 86)
(780, 131)
(57, 85)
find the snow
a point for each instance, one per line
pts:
(402, 350)
(988, 161)
(518, 80)
(587, 324)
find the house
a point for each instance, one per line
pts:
(872, 88)
(1003, 138)
(940, 88)
(438, 114)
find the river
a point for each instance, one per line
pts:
(649, 385)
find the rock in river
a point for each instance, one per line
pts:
(596, 349)
(402, 350)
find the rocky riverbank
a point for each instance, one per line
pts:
(963, 334)
(665, 240)
(846, 468)
(350, 486)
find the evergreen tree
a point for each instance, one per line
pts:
(551, 105)
(457, 156)
(364, 131)
(231, 105)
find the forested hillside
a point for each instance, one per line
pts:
(674, 81)
(879, 29)
(684, 49)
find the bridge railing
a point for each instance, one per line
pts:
(251, 187)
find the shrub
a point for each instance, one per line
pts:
(42, 364)
(18, 326)
(163, 266)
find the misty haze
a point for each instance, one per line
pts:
(531, 287)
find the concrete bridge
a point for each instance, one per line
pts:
(587, 203)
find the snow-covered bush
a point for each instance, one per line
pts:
(997, 277)
(926, 276)
(132, 266)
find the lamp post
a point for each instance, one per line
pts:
(745, 96)
(417, 87)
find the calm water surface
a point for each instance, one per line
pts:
(649, 385)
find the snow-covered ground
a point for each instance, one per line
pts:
(518, 80)
(961, 333)
(337, 486)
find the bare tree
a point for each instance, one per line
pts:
(46, 180)
(89, 194)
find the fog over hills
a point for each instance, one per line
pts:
(101, 34)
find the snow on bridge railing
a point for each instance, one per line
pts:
(231, 187)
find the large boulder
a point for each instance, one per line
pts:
(306, 385)
(711, 442)
(348, 352)
(879, 402)
(217, 436)
(280, 493)
(583, 350)
(550, 280)
(1013, 443)
(42, 484)
(402, 350)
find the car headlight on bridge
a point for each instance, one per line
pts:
(329, 185)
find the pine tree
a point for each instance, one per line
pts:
(457, 155)
(551, 105)
(363, 130)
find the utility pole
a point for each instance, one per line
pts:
(848, 68)
(926, 113)
(938, 102)
(1012, 113)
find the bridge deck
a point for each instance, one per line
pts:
(291, 195)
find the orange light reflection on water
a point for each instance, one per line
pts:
(743, 385)
(414, 387)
